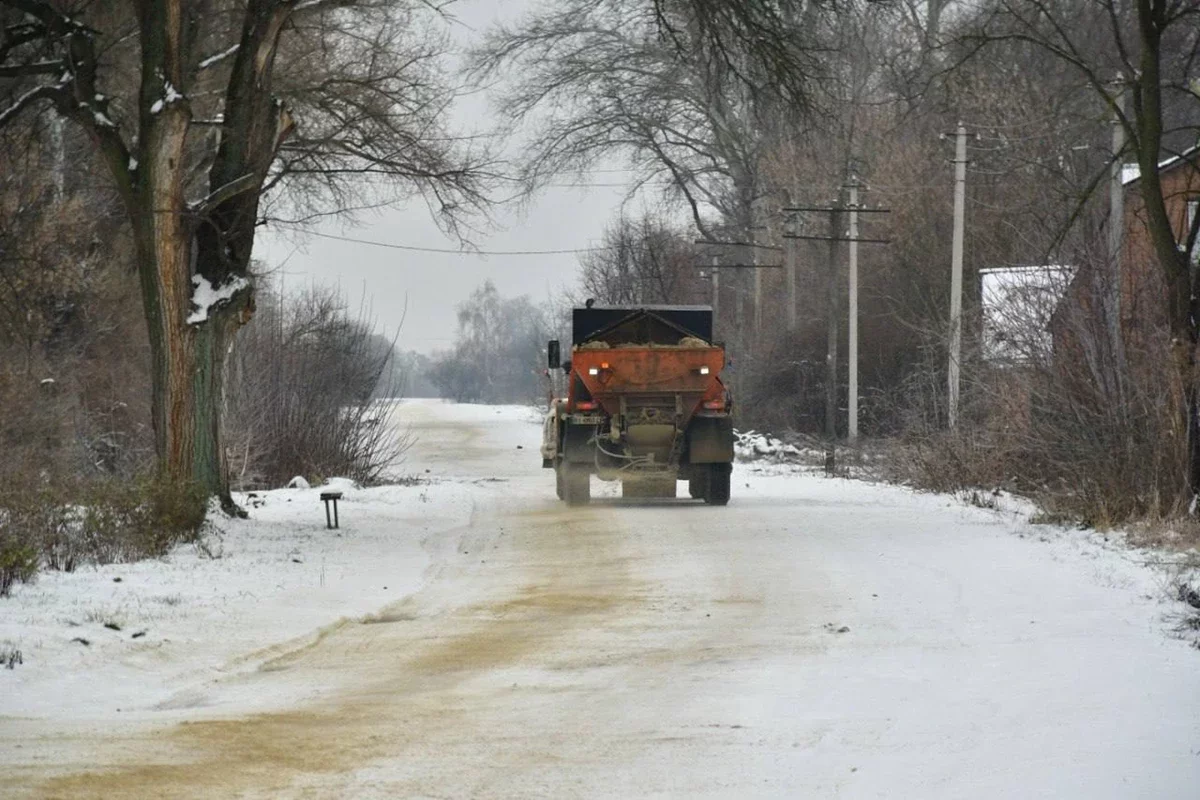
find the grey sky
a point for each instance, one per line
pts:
(561, 218)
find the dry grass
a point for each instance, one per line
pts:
(62, 528)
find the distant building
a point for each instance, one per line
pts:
(1080, 318)
(1018, 305)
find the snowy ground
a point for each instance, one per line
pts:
(471, 637)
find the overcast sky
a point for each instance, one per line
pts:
(433, 284)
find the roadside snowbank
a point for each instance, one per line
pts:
(128, 635)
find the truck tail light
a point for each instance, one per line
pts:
(714, 405)
(586, 405)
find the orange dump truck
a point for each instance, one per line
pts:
(644, 405)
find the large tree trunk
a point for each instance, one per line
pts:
(188, 355)
(179, 244)
(188, 361)
(1181, 302)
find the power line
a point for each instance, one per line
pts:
(449, 251)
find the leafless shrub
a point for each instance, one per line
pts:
(60, 528)
(126, 521)
(10, 656)
(18, 560)
(1087, 427)
(301, 385)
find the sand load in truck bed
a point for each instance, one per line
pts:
(687, 342)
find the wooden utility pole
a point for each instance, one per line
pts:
(852, 368)
(1116, 192)
(956, 270)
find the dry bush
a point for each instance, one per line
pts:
(302, 384)
(1094, 438)
(56, 527)
(10, 656)
(18, 560)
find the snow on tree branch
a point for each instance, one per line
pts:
(26, 100)
(205, 297)
(217, 58)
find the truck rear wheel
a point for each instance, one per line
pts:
(717, 491)
(698, 485)
(577, 485)
(558, 482)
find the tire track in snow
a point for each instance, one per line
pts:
(401, 675)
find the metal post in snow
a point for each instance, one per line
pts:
(956, 270)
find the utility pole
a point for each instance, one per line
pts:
(756, 277)
(1116, 231)
(852, 377)
(738, 291)
(832, 335)
(739, 306)
(716, 292)
(789, 246)
(956, 269)
(833, 238)
(758, 294)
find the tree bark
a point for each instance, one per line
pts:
(177, 244)
(1181, 303)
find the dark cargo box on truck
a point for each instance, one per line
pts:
(591, 323)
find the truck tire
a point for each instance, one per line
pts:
(717, 492)
(577, 485)
(698, 484)
(558, 482)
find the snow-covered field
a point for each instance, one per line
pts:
(468, 636)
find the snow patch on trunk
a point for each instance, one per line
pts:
(205, 296)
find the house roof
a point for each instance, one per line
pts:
(1130, 173)
(1018, 304)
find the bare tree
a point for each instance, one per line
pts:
(601, 80)
(642, 261)
(499, 351)
(197, 108)
(1148, 50)
(302, 394)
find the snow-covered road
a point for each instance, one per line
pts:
(815, 638)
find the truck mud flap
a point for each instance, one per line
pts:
(577, 446)
(710, 440)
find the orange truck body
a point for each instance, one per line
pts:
(644, 405)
